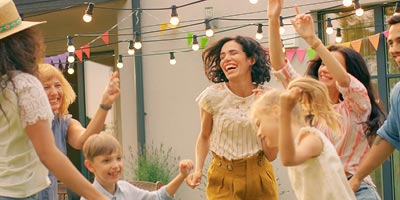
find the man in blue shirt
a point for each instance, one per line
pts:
(388, 137)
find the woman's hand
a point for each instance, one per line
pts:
(112, 90)
(194, 179)
(274, 8)
(304, 26)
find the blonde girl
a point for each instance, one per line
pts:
(286, 120)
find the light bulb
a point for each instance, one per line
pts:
(283, 49)
(359, 12)
(120, 65)
(329, 30)
(195, 47)
(209, 32)
(71, 48)
(172, 61)
(174, 21)
(347, 3)
(253, 1)
(71, 59)
(131, 52)
(338, 39)
(70, 70)
(87, 18)
(259, 36)
(137, 45)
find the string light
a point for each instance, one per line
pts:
(281, 28)
(174, 16)
(209, 31)
(131, 50)
(347, 3)
(71, 57)
(329, 26)
(357, 6)
(283, 47)
(137, 44)
(195, 43)
(397, 10)
(172, 59)
(88, 13)
(70, 44)
(253, 1)
(71, 68)
(259, 34)
(120, 64)
(338, 35)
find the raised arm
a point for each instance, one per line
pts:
(304, 25)
(202, 148)
(275, 43)
(77, 134)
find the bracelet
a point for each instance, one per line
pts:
(105, 107)
(316, 44)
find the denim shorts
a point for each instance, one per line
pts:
(33, 197)
(367, 192)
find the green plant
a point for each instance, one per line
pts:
(154, 163)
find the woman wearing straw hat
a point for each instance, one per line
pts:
(25, 116)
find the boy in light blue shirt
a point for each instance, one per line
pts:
(103, 157)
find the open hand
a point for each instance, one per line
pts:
(304, 26)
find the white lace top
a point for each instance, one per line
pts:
(321, 177)
(233, 134)
(21, 172)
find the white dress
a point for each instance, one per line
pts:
(322, 177)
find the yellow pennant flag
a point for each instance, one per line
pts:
(356, 44)
(163, 27)
(374, 39)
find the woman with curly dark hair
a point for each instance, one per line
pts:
(240, 168)
(27, 144)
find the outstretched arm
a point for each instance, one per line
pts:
(77, 134)
(202, 148)
(275, 43)
(379, 152)
(185, 166)
(304, 25)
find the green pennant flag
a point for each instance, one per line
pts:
(311, 53)
(203, 42)
(189, 39)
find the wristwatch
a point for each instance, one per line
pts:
(105, 107)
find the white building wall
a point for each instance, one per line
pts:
(172, 115)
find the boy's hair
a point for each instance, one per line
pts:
(47, 72)
(100, 144)
(314, 101)
(395, 19)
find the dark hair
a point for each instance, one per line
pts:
(260, 72)
(356, 66)
(20, 51)
(395, 19)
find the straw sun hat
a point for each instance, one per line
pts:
(10, 21)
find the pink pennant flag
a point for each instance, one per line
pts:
(300, 54)
(78, 54)
(356, 44)
(86, 50)
(290, 54)
(105, 37)
(386, 33)
(374, 39)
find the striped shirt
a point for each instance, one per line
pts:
(352, 144)
(233, 134)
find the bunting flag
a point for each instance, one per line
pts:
(105, 37)
(203, 42)
(290, 54)
(189, 39)
(55, 60)
(386, 33)
(300, 54)
(346, 44)
(356, 44)
(63, 59)
(374, 39)
(78, 54)
(163, 27)
(86, 49)
(48, 60)
(311, 53)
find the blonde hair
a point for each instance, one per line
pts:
(315, 101)
(47, 72)
(100, 144)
